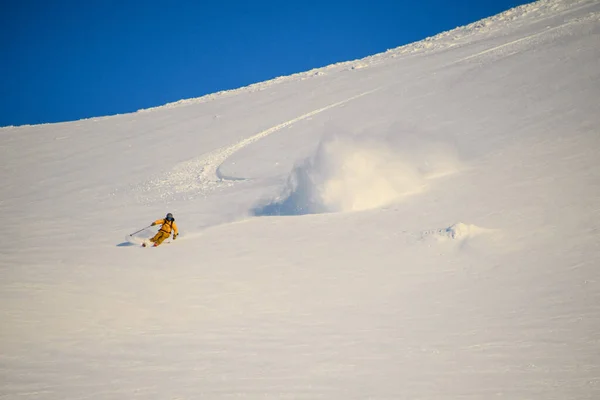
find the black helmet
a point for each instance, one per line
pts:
(170, 217)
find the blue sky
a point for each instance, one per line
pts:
(65, 60)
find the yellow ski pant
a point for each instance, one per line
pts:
(160, 237)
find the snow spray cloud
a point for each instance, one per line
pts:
(353, 174)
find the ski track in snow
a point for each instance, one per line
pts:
(212, 169)
(201, 175)
(496, 49)
(529, 38)
(512, 43)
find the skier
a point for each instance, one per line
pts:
(168, 225)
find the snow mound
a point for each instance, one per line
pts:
(354, 174)
(458, 231)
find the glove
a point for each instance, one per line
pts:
(152, 224)
(175, 236)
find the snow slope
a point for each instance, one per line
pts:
(420, 224)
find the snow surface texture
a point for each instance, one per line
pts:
(419, 224)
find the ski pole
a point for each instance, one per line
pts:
(131, 234)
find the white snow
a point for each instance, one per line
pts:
(419, 224)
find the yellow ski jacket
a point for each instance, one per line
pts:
(167, 226)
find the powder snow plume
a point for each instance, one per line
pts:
(349, 173)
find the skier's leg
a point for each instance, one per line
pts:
(156, 237)
(161, 238)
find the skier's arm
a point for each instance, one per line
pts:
(175, 231)
(158, 222)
